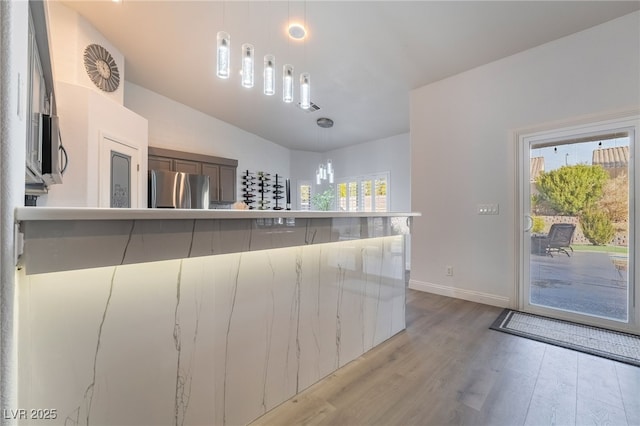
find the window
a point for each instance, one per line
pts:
(348, 196)
(374, 194)
(364, 193)
(304, 195)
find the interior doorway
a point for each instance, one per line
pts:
(577, 223)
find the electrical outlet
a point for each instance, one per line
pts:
(449, 271)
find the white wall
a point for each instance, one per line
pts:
(303, 167)
(173, 125)
(87, 113)
(85, 117)
(463, 152)
(13, 133)
(392, 154)
(69, 35)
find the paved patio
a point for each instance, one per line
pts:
(586, 282)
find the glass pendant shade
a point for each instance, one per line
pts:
(287, 83)
(305, 90)
(325, 172)
(269, 75)
(330, 170)
(247, 72)
(247, 65)
(223, 54)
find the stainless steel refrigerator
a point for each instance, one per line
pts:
(177, 190)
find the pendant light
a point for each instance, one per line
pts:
(269, 75)
(305, 90)
(287, 83)
(325, 171)
(223, 53)
(247, 65)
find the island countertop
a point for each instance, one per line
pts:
(83, 213)
(157, 316)
(58, 239)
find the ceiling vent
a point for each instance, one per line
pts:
(312, 108)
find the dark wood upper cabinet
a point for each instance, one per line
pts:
(221, 171)
(227, 184)
(187, 166)
(160, 163)
(213, 171)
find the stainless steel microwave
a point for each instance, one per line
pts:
(53, 157)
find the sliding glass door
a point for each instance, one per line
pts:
(577, 223)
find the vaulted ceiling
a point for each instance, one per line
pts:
(364, 57)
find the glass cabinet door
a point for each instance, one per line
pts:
(120, 180)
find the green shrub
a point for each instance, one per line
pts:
(597, 227)
(572, 189)
(615, 198)
(538, 225)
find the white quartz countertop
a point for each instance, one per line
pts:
(83, 213)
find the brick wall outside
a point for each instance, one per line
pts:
(620, 239)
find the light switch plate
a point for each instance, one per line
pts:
(488, 209)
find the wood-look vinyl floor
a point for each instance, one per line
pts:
(449, 368)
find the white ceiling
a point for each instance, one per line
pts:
(364, 56)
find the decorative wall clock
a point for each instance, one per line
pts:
(101, 68)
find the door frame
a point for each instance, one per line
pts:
(562, 131)
(104, 172)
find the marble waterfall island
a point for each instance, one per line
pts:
(183, 317)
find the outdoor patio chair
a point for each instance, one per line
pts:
(559, 238)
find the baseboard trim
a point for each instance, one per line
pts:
(459, 293)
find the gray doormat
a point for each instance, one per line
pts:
(614, 345)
